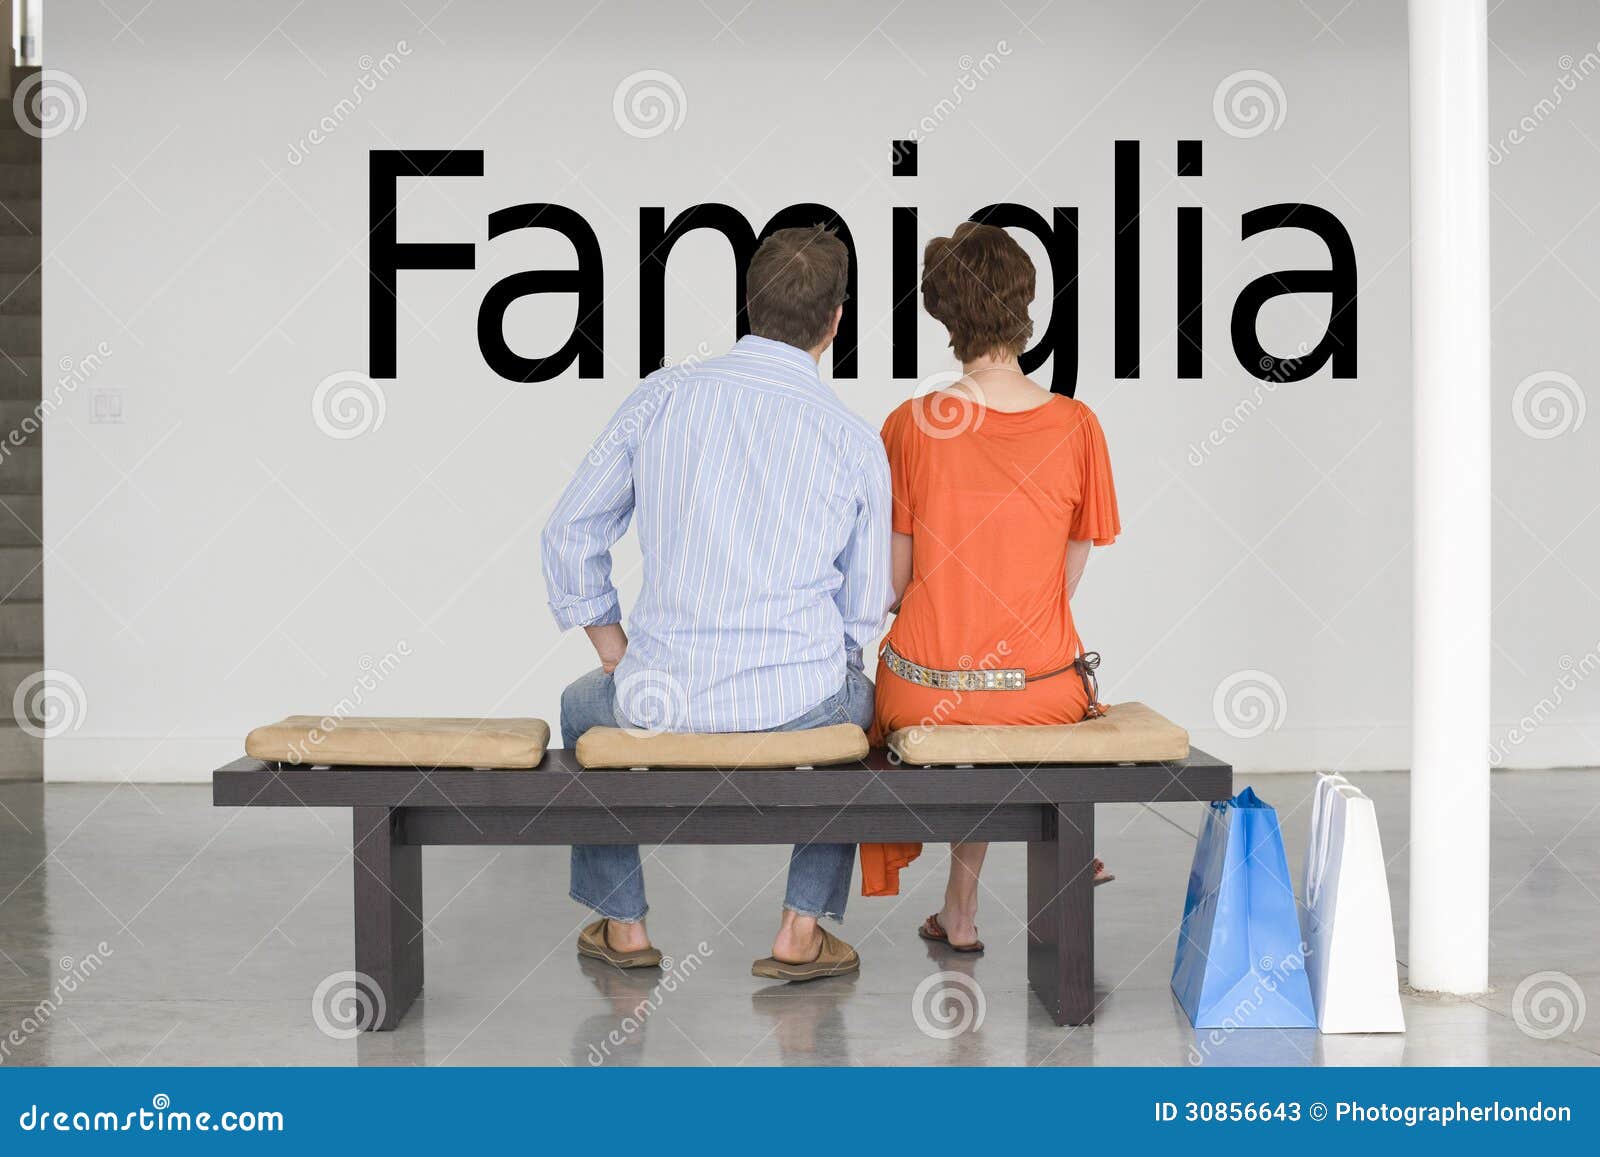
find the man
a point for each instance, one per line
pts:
(763, 514)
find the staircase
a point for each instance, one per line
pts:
(21, 390)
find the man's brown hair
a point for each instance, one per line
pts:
(979, 283)
(796, 280)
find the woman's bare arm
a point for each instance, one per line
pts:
(1077, 560)
(900, 567)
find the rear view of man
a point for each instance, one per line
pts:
(762, 505)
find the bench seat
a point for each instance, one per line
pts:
(396, 811)
(603, 747)
(401, 741)
(1126, 732)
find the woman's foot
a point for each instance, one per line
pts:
(1101, 876)
(959, 917)
(960, 927)
(933, 929)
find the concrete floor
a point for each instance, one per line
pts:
(219, 925)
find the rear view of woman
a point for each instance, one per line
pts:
(1000, 489)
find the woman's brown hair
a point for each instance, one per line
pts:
(979, 284)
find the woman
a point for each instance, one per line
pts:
(1000, 489)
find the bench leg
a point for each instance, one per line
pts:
(1061, 913)
(388, 892)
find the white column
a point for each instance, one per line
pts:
(1449, 950)
(29, 32)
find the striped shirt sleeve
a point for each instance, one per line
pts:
(865, 596)
(591, 515)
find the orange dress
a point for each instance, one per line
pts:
(990, 500)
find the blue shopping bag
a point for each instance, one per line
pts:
(1240, 961)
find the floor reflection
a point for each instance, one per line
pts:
(808, 1020)
(618, 1035)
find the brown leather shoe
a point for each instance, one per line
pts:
(592, 941)
(833, 958)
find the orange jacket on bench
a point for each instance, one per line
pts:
(990, 500)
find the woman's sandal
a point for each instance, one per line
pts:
(1101, 876)
(932, 930)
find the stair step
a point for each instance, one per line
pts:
(21, 628)
(20, 336)
(18, 147)
(20, 426)
(21, 475)
(19, 216)
(13, 670)
(21, 754)
(20, 293)
(22, 378)
(21, 577)
(19, 180)
(25, 116)
(19, 254)
(20, 73)
(21, 520)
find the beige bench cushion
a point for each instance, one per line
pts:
(1126, 733)
(616, 747)
(401, 742)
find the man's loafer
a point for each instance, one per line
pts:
(592, 942)
(834, 958)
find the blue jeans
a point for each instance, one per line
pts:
(609, 877)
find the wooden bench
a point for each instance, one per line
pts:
(397, 811)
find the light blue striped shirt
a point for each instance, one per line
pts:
(763, 514)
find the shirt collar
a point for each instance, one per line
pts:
(791, 356)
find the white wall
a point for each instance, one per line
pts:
(215, 560)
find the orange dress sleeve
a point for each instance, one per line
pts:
(897, 438)
(881, 863)
(1096, 516)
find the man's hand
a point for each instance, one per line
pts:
(610, 643)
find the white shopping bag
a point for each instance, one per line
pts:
(1345, 918)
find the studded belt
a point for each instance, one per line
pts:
(994, 678)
